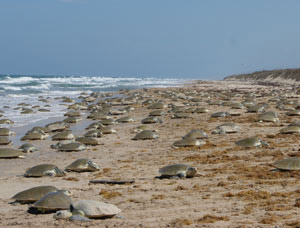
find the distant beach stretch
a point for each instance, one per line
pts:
(159, 153)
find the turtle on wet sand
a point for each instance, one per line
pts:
(28, 148)
(251, 142)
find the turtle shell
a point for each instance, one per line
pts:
(188, 142)
(33, 194)
(82, 165)
(73, 146)
(288, 164)
(94, 209)
(146, 134)
(10, 153)
(173, 170)
(52, 202)
(44, 170)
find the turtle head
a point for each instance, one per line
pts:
(76, 211)
(93, 165)
(66, 192)
(191, 172)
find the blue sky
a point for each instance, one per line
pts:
(205, 39)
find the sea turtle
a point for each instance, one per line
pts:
(201, 110)
(251, 142)
(158, 112)
(140, 128)
(117, 112)
(269, 116)
(126, 119)
(34, 194)
(53, 202)
(196, 134)
(256, 108)
(83, 165)
(72, 119)
(93, 133)
(68, 147)
(72, 114)
(6, 132)
(94, 209)
(10, 153)
(157, 105)
(293, 113)
(151, 120)
(220, 114)
(34, 136)
(293, 129)
(57, 126)
(88, 141)
(146, 134)
(6, 121)
(177, 171)
(44, 170)
(226, 128)
(4, 140)
(188, 142)
(94, 125)
(292, 163)
(28, 148)
(108, 122)
(65, 135)
(180, 116)
(107, 130)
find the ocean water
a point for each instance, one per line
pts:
(16, 89)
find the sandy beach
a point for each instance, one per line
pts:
(236, 186)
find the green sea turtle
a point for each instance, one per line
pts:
(256, 108)
(83, 165)
(293, 113)
(53, 202)
(44, 170)
(107, 130)
(177, 171)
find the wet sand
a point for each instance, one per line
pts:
(236, 188)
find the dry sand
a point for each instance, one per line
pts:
(237, 187)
